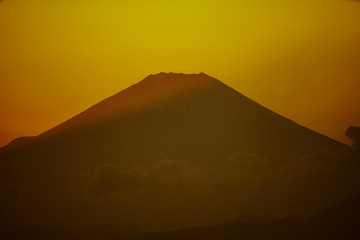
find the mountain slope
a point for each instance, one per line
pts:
(173, 150)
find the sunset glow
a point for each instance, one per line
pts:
(298, 58)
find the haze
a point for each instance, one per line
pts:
(298, 58)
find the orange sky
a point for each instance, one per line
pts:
(299, 58)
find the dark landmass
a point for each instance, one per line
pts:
(172, 151)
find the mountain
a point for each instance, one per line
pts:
(173, 150)
(177, 115)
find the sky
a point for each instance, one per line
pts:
(298, 58)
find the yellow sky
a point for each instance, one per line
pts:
(298, 58)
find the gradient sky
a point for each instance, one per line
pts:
(298, 58)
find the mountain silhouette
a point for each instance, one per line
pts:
(173, 115)
(161, 153)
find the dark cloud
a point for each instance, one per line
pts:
(353, 133)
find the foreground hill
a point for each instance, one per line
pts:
(337, 222)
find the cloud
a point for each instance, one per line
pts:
(353, 132)
(242, 171)
(239, 174)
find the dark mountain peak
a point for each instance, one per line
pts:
(178, 79)
(177, 75)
